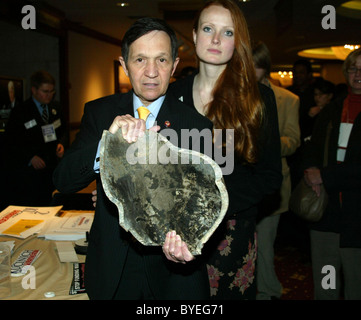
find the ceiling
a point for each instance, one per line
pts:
(286, 26)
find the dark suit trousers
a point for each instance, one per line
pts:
(133, 284)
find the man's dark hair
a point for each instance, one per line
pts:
(324, 86)
(262, 57)
(40, 77)
(143, 26)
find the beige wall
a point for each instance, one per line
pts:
(91, 72)
(333, 72)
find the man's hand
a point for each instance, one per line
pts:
(175, 249)
(37, 163)
(132, 128)
(314, 111)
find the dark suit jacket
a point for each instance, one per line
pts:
(344, 218)
(109, 243)
(23, 143)
(22, 184)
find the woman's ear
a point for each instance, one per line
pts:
(194, 37)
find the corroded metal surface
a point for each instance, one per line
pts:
(156, 188)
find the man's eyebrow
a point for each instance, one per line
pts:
(160, 54)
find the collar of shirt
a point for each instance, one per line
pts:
(38, 105)
(154, 108)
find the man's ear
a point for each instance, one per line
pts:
(33, 90)
(124, 66)
(175, 64)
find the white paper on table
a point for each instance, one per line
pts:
(13, 215)
(66, 252)
(73, 226)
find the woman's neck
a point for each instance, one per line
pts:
(204, 83)
(208, 75)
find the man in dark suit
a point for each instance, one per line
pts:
(117, 266)
(35, 138)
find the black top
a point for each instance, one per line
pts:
(344, 178)
(247, 185)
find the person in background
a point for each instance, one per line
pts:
(336, 238)
(302, 86)
(36, 136)
(324, 92)
(226, 90)
(117, 265)
(268, 285)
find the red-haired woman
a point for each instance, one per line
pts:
(225, 89)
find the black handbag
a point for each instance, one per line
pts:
(304, 202)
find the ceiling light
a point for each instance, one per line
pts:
(329, 53)
(123, 4)
(350, 9)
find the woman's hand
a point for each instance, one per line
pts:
(175, 249)
(94, 198)
(313, 178)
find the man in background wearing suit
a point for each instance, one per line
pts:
(35, 137)
(117, 266)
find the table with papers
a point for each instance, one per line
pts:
(49, 277)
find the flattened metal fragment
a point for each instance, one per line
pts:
(158, 187)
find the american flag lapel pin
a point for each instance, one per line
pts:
(167, 124)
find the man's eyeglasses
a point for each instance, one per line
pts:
(353, 70)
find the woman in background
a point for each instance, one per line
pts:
(323, 92)
(336, 238)
(268, 285)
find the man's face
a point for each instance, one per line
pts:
(44, 94)
(301, 77)
(150, 66)
(260, 73)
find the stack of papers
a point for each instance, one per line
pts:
(72, 226)
(22, 222)
(46, 222)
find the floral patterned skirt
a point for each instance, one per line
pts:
(231, 262)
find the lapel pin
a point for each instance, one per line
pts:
(167, 124)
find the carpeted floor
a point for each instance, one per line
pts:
(294, 270)
(292, 259)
